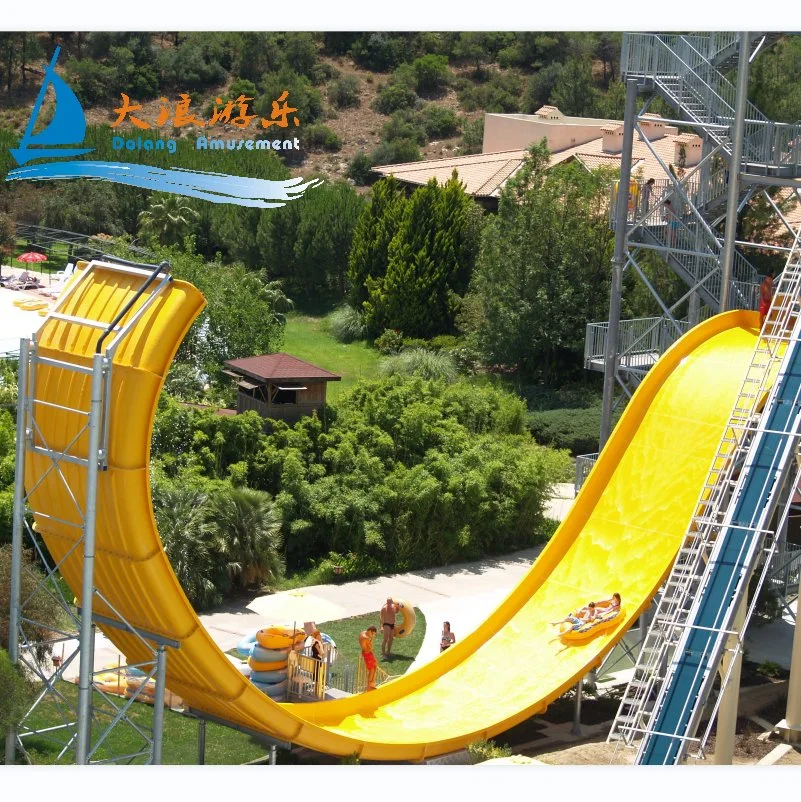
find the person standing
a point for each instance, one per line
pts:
(447, 638)
(765, 297)
(370, 663)
(388, 613)
(645, 201)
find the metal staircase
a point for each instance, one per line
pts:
(673, 677)
(693, 85)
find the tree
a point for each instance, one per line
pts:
(248, 535)
(88, 207)
(431, 72)
(429, 260)
(168, 219)
(573, 92)
(542, 271)
(374, 231)
(186, 533)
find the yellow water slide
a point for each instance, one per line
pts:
(621, 535)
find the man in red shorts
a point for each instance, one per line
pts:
(765, 297)
(366, 643)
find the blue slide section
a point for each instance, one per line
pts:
(717, 598)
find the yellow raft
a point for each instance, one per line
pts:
(603, 623)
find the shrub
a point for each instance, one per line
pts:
(321, 137)
(431, 72)
(423, 363)
(359, 168)
(404, 125)
(472, 136)
(482, 750)
(415, 342)
(573, 429)
(393, 97)
(390, 341)
(439, 121)
(397, 152)
(501, 94)
(769, 669)
(15, 692)
(444, 342)
(346, 324)
(344, 93)
(242, 86)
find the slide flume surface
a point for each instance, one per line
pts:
(622, 535)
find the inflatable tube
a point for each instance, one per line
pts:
(245, 646)
(33, 306)
(406, 625)
(568, 632)
(275, 665)
(134, 672)
(268, 655)
(273, 691)
(268, 677)
(279, 637)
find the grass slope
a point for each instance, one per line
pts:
(305, 338)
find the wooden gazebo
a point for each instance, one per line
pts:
(279, 385)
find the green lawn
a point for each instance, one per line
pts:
(305, 338)
(224, 746)
(345, 633)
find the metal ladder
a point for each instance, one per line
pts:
(645, 692)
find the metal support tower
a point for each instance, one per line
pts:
(88, 725)
(730, 535)
(743, 154)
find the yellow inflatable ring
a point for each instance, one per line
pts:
(279, 637)
(587, 631)
(408, 619)
(261, 665)
(32, 306)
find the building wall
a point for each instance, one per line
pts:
(513, 133)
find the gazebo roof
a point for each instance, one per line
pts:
(279, 366)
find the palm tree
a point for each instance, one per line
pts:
(188, 540)
(248, 529)
(168, 219)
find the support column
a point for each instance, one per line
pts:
(727, 256)
(201, 742)
(791, 726)
(727, 712)
(18, 529)
(158, 704)
(576, 729)
(87, 587)
(618, 260)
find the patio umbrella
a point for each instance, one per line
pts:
(32, 256)
(296, 606)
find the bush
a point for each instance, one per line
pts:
(431, 72)
(344, 93)
(404, 125)
(393, 97)
(472, 136)
(415, 342)
(445, 342)
(423, 363)
(573, 429)
(15, 693)
(359, 168)
(242, 86)
(501, 94)
(398, 151)
(390, 341)
(482, 750)
(302, 96)
(439, 121)
(320, 137)
(346, 324)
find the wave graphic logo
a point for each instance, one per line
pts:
(65, 133)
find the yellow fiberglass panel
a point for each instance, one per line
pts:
(621, 535)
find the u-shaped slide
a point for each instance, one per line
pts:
(621, 535)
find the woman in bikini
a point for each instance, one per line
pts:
(447, 638)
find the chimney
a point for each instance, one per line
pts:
(652, 129)
(687, 147)
(612, 138)
(549, 113)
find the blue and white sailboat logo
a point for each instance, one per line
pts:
(64, 134)
(68, 126)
